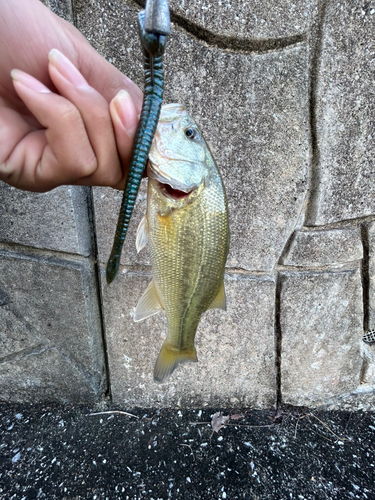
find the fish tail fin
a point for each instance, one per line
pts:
(169, 358)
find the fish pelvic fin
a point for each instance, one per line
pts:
(149, 304)
(142, 234)
(169, 358)
(219, 301)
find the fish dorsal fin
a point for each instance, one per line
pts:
(219, 301)
(149, 304)
(142, 234)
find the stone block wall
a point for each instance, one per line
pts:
(284, 94)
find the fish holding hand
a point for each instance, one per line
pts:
(187, 233)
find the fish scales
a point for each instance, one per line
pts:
(187, 250)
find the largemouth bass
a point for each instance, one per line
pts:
(187, 232)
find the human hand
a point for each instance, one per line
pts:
(56, 124)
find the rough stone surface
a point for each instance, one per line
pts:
(345, 113)
(57, 220)
(246, 20)
(235, 348)
(107, 204)
(362, 399)
(50, 340)
(324, 247)
(321, 328)
(368, 369)
(63, 8)
(371, 274)
(256, 124)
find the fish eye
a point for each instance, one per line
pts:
(191, 133)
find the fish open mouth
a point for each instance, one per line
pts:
(165, 182)
(169, 191)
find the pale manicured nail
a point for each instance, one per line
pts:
(29, 81)
(67, 69)
(125, 111)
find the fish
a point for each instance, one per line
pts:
(186, 230)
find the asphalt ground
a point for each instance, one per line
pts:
(61, 452)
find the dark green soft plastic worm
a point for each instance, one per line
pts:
(153, 48)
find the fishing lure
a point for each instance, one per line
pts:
(154, 26)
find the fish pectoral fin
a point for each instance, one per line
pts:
(169, 358)
(219, 302)
(149, 304)
(142, 234)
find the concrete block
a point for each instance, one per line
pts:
(50, 338)
(362, 399)
(324, 247)
(107, 204)
(345, 114)
(45, 374)
(63, 8)
(246, 20)
(235, 348)
(321, 326)
(368, 369)
(57, 220)
(370, 229)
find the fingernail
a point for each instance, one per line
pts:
(125, 111)
(29, 81)
(67, 69)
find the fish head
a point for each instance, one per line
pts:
(179, 159)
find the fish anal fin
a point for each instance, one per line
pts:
(149, 304)
(169, 358)
(219, 301)
(142, 234)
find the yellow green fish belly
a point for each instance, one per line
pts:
(188, 248)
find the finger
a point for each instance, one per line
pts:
(13, 128)
(94, 111)
(61, 154)
(125, 121)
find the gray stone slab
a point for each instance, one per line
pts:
(50, 334)
(107, 204)
(368, 368)
(45, 374)
(57, 220)
(14, 337)
(371, 274)
(247, 20)
(253, 110)
(63, 8)
(324, 247)
(363, 399)
(321, 325)
(235, 348)
(345, 114)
